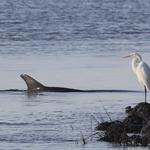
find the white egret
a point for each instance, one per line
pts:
(142, 71)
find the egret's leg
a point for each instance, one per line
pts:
(145, 93)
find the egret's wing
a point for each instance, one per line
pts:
(143, 74)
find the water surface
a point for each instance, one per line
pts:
(76, 44)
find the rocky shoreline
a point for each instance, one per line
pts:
(134, 130)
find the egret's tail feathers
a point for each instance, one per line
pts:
(31, 83)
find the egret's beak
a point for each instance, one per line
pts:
(126, 56)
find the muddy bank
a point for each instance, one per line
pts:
(134, 130)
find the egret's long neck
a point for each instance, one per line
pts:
(135, 63)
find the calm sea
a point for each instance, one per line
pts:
(71, 43)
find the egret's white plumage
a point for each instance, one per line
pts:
(142, 71)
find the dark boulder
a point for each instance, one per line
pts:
(137, 121)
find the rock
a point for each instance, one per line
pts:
(144, 141)
(103, 126)
(128, 109)
(106, 125)
(133, 124)
(113, 130)
(142, 110)
(137, 121)
(135, 140)
(146, 128)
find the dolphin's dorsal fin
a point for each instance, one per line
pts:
(31, 83)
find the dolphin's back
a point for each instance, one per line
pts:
(60, 89)
(34, 85)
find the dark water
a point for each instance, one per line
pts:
(71, 43)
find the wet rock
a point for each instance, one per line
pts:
(133, 124)
(137, 121)
(135, 140)
(103, 126)
(146, 131)
(128, 109)
(142, 110)
(144, 141)
(113, 130)
(111, 133)
(146, 128)
(106, 125)
(124, 139)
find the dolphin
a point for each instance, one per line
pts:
(35, 86)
